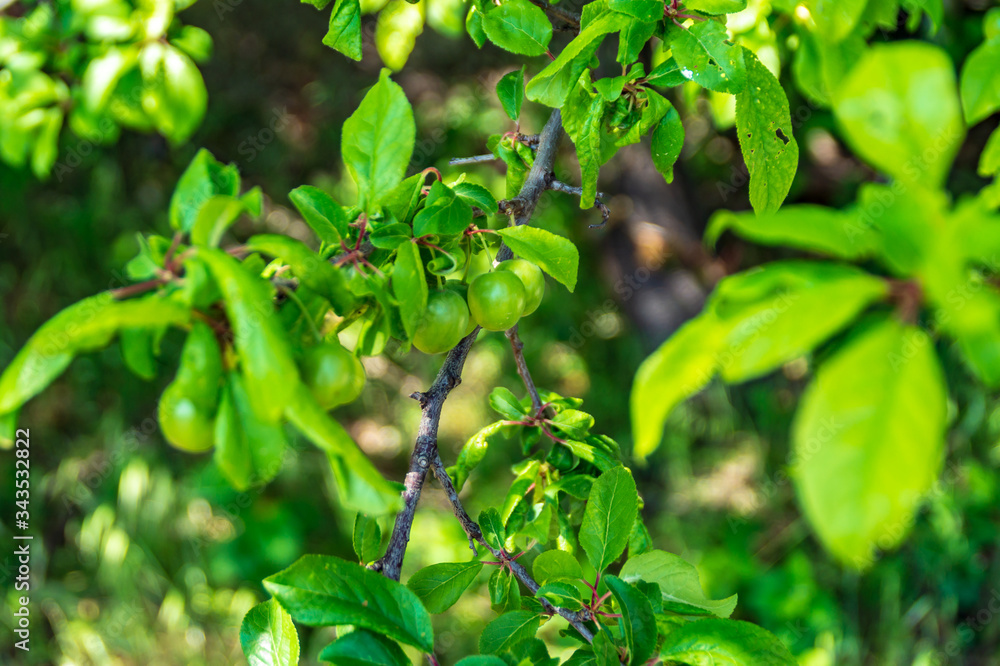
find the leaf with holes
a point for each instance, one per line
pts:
(764, 126)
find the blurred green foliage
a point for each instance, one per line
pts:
(147, 555)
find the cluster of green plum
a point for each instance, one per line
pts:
(494, 300)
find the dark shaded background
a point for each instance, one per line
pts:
(146, 556)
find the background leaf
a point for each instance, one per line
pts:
(868, 439)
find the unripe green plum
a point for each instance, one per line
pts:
(185, 424)
(531, 277)
(333, 374)
(444, 323)
(462, 289)
(496, 300)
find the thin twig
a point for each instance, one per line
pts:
(577, 619)
(522, 368)
(475, 159)
(560, 186)
(138, 288)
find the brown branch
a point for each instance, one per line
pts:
(560, 186)
(138, 288)
(577, 619)
(523, 205)
(425, 450)
(424, 453)
(522, 368)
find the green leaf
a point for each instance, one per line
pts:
(835, 19)
(784, 309)
(608, 519)
(561, 593)
(637, 619)
(805, 227)
(248, 450)
(554, 254)
(102, 75)
(678, 581)
(439, 586)
(474, 26)
(444, 213)
(505, 403)
(493, 528)
(204, 178)
(752, 325)
(507, 631)
(553, 565)
(678, 369)
(505, 594)
(510, 90)
(476, 195)
(83, 327)
(182, 100)
(265, 358)
(215, 216)
(553, 84)
(724, 642)
(644, 10)
(324, 216)
(716, 7)
(137, 351)
(667, 142)
(764, 126)
(473, 453)
(574, 423)
(481, 660)
(364, 648)
(311, 269)
(344, 34)
(362, 487)
(409, 286)
(989, 160)
(519, 27)
(980, 84)
(320, 591)
(707, 58)
(667, 74)
(583, 119)
(874, 106)
(377, 141)
(268, 636)
(367, 538)
(868, 439)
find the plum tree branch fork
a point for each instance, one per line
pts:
(425, 451)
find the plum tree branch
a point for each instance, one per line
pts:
(522, 368)
(560, 186)
(475, 534)
(425, 450)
